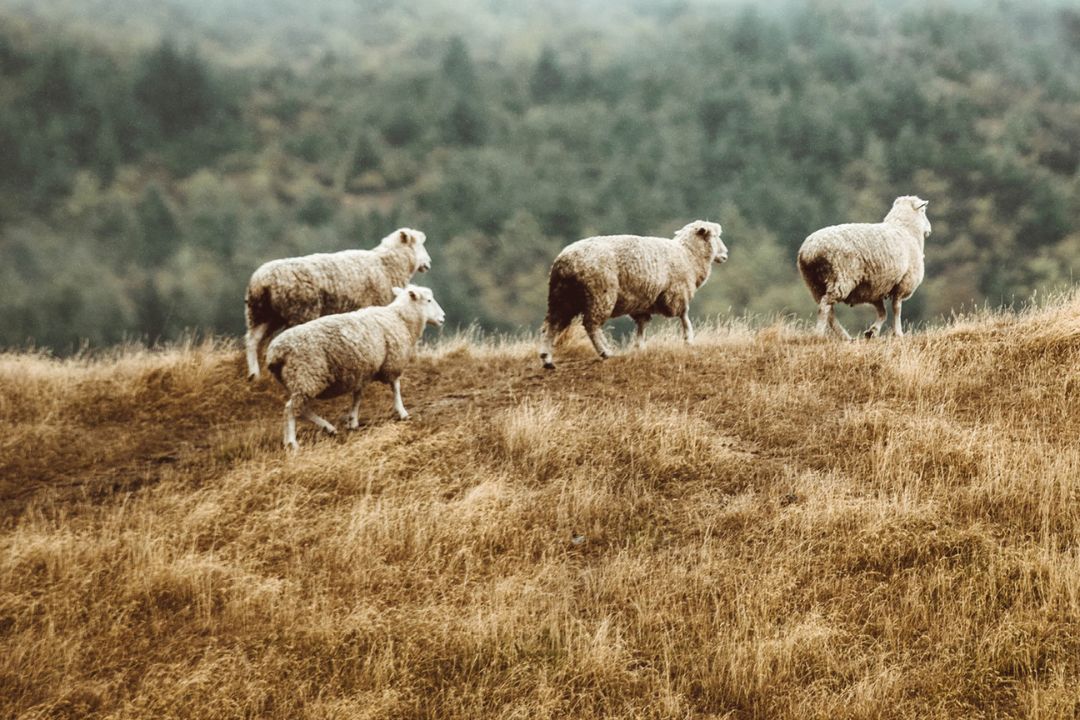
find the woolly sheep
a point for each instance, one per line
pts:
(287, 292)
(609, 276)
(339, 354)
(866, 263)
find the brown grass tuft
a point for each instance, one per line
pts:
(764, 525)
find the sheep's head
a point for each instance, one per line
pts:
(709, 233)
(912, 209)
(411, 238)
(425, 299)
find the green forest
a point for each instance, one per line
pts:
(153, 154)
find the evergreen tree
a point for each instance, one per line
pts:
(548, 80)
(158, 230)
(457, 67)
(175, 89)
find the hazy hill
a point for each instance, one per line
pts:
(155, 153)
(762, 526)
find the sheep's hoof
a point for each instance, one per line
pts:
(605, 355)
(252, 377)
(870, 334)
(548, 365)
(292, 447)
(403, 418)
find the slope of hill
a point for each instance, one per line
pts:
(764, 525)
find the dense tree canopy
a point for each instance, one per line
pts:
(148, 169)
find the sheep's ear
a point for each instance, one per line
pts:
(702, 231)
(413, 294)
(919, 205)
(405, 237)
(397, 291)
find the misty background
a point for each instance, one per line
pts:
(153, 154)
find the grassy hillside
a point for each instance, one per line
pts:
(766, 525)
(157, 152)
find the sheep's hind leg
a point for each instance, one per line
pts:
(399, 406)
(254, 336)
(354, 411)
(898, 330)
(687, 327)
(639, 336)
(290, 422)
(827, 318)
(308, 414)
(875, 327)
(547, 343)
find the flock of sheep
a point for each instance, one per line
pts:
(348, 318)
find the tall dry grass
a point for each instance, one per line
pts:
(762, 526)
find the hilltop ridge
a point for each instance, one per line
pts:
(761, 525)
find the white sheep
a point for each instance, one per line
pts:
(866, 263)
(604, 277)
(287, 292)
(339, 354)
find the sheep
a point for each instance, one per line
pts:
(609, 276)
(287, 292)
(338, 354)
(866, 263)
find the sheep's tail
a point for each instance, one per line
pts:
(567, 298)
(275, 366)
(818, 274)
(258, 305)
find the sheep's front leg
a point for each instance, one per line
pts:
(354, 412)
(875, 327)
(252, 340)
(687, 327)
(399, 406)
(898, 330)
(593, 319)
(639, 337)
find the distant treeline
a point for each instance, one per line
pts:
(141, 183)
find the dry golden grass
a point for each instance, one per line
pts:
(773, 526)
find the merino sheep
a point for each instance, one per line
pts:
(609, 276)
(866, 263)
(287, 292)
(339, 354)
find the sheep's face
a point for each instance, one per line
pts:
(709, 232)
(425, 299)
(924, 222)
(414, 239)
(423, 260)
(912, 208)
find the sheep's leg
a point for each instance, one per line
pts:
(639, 337)
(875, 327)
(687, 327)
(547, 343)
(599, 308)
(827, 317)
(898, 330)
(254, 337)
(596, 335)
(399, 406)
(290, 424)
(824, 313)
(308, 414)
(354, 412)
